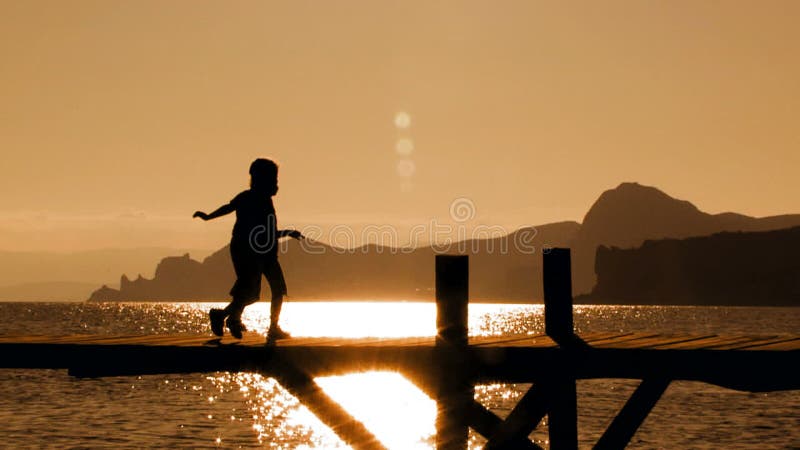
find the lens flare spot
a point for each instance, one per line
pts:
(402, 120)
(404, 146)
(406, 168)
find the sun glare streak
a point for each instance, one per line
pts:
(390, 406)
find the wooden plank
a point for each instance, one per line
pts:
(720, 342)
(494, 341)
(405, 342)
(66, 339)
(734, 340)
(788, 345)
(625, 337)
(39, 339)
(364, 342)
(698, 344)
(501, 342)
(596, 337)
(645, 340)
(146, 341)
(652, 342)
(199, 341)
(655, 341)
(760, 343)
(311, 341)
(743, 340)
(625, 340)
(539, 342)
(246, 341)
(152, 340)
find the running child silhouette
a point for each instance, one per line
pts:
(254, 251)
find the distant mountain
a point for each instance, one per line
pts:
(52, 276)
(754, 268)
(622, 217)
(500, 268)
(90, 266)
(628, 215)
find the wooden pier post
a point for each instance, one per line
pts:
(557, 273)
(452, 299)
(455, 391)
(563, 411)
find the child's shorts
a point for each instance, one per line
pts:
(249, 266)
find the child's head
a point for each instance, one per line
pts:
(264, 176)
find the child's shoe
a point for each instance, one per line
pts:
(236, 327)
(217, 317)
(276, 333)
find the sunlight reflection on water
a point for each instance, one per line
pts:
(399, 414)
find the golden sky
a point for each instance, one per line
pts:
(118, 119)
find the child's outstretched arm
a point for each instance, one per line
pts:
(219, 212)
(291, 233)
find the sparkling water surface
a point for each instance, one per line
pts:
(48, 409)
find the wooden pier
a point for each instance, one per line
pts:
(448, 366)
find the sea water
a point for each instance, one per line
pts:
(49, 409)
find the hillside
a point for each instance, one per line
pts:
(631, 213)
(499, 270)
(54, 276)
(755, 268)
(623, 217)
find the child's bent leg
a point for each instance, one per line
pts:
(235, 308)
(245, 291)
(234, 313)
(247, 288)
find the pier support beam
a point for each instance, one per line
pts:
(563, 414)
(632, 415)
(455, 392)
(481, 420)
(563, 411)
(523, 419)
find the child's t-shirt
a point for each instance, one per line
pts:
(255, 219)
